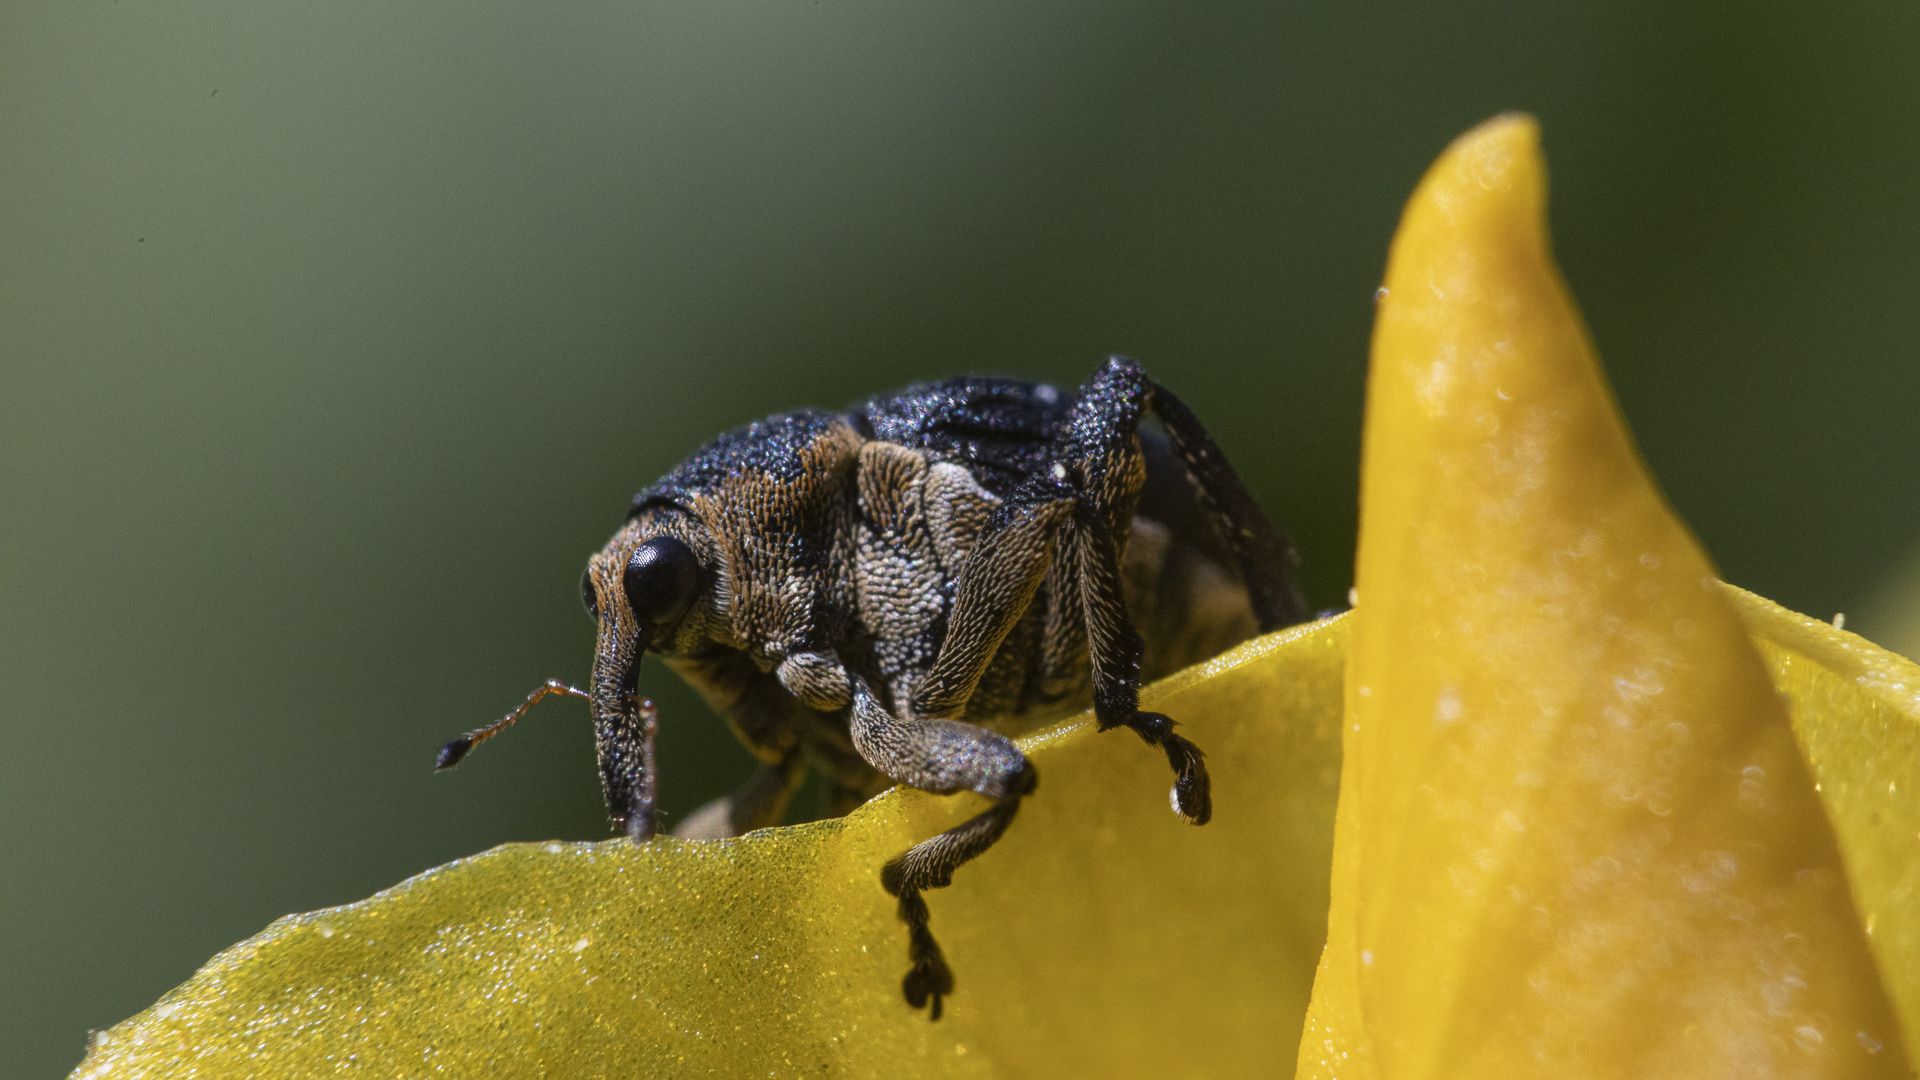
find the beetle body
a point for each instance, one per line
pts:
(885, 594)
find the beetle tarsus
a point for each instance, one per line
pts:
(930, 980)
(639, 827)
(930, 865)
(1192, 794)
(1192, 788)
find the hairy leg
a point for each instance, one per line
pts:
(1104, 458)
(1263, 555)
(1009, 560)
(1114, 650)
(941, 756)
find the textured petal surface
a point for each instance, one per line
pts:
(1856, 714)
(1102, 937)
(1576, 836)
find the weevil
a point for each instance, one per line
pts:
(883, 594)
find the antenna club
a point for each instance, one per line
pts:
(451, 753)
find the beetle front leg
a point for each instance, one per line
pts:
(623, 742)
(1105, 459)
(1114, 650)
(940, 756)
(1009, 560)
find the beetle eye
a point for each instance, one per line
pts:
(587, 595)
(660, 580)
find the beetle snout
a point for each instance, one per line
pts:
(623, 726)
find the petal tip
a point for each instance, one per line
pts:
(1495, 153)
(1486, 169)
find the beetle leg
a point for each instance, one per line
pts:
(1114, 650)
(940, 756)
(1104, 455)
(1009, 560)
(756, 804)
(930, 865)
(1261, 553)
(623, 742)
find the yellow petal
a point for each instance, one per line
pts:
(1575, 836)
(1102, 937)
(1856, 714)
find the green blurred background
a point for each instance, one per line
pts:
(334, 337)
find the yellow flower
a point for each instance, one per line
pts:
(1577, 833)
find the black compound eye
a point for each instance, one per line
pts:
(586, 593)
(660, 580)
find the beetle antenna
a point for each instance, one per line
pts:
(451, 753)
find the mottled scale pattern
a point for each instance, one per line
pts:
(885, 594)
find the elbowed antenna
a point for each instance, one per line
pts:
(451, 753)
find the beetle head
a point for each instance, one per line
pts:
(648, 588)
